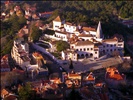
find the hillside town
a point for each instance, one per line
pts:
(63, 60)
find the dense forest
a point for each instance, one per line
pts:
(89, 13)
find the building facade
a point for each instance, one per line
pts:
(86, 41)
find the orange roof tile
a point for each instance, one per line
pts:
(85, 35)
(81, 43)
(4, 92)
(57, 19)
(110, 40)
(36, 54)
(88, 29)
(74, 75)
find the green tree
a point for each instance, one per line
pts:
(35, 33)
(25, 92)
(62, 45)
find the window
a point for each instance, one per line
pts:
(84, 49)
(80, 49)
(95, 52)
(104, 46)
(114, 49)
(91, 48)
(107, 45)
(110, 49)
(107, 50)
(110, 45)
(76, 49)
(119, 44)
(88, 49)
(57, 26)
(114, 44)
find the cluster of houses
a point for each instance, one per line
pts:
(34, 63)
(28, 12)
(58, 88)
(85, 41)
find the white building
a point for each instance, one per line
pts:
(69, 54)
(70, 27)
(20, 53)
(87, 41)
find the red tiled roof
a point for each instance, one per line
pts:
(57, 19)
(36, 54)
(112, 73)
(74, 75)
(85, 35)
(81, 43)
(4, 92)
(109, 40)
(88, 29)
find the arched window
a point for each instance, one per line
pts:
(82, 55)
(91, 55)
(86, 55)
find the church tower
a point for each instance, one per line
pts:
(99, 34)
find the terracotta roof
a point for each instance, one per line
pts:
(74, 75)
(99, 84)
(112, 73)
(85, 35)
(4, 92)
(80, 43)
(110, 40)
(90, 77)
(88, 29)
(36, 54)
(57, 19)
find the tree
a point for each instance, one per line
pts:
(26, 92)
(35, 33)
(62, 45)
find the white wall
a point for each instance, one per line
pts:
(69, 28)
(56, 25)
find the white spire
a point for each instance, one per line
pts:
(99, 31)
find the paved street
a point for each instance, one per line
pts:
(93, 65)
